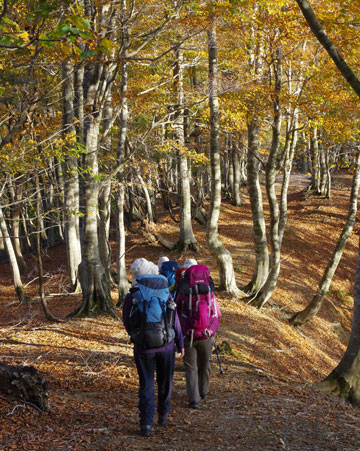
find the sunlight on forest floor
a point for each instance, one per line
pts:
(263, 399)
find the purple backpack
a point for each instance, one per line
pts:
(197, 306)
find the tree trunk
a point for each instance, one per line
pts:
(323, 167)
(94, 277)
(123, 284)
(259, 226)
(328, 45)
(46, 310)
(104, 226)
(266, 291)
(19, 288)
(223, 256)
(314, 306)
(71, 182)
(186, 236)
(237, 176)
(16, 190)
(315, 160)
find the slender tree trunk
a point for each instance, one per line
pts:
(315, 160)
(186, 236)
(329, 46)
(16, 196)
(223, 256)
(237, 176)
(266, 291)
(323, 167)
(19, 288)
(105, 192)
(104, 225)
(71, 182)
(46, 310)
(328, 177)
(259, 226)
(314, 306)
(123, 284)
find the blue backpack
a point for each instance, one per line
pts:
(168, 269)
(152, 312)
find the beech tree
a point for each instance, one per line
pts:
(223, 256)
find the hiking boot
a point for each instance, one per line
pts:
(194, 405)
(203, 397)
(145, 430)
(162, 420)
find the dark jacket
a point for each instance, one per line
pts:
(179, 341)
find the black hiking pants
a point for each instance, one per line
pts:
(163, 362)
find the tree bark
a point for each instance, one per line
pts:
(123, 284)
(237, 176)
(186, 239)
(19, 288)
(266, 291)
(46, 310)
(16, 191)
(329, 46)
(94, 277)
(223, 256)
(315, 160)
(71, 182)
(259, 226)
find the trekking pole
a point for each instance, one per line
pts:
(218, 357)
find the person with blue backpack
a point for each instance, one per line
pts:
(168, 269)
(199, 315)
(161, 261)
(151, 320)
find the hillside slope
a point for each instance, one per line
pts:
(261, 401)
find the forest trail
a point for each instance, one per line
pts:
(261, 401)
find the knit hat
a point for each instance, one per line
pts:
(153, 269)
(141, 266)
(189, 262)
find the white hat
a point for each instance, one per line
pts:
(153, 269)
(189, 262)
(161, 261)
(141, 266)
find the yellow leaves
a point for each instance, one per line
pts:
(170, 146)
(24, 36)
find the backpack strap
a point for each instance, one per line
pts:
(210, 301)
(197, 298)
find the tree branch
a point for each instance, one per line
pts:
(329, 46)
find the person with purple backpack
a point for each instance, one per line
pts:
(199, 315)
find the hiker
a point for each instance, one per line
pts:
(168, 269)
(199, 316)
(161, 261)
(187, 263)
(155, 330)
